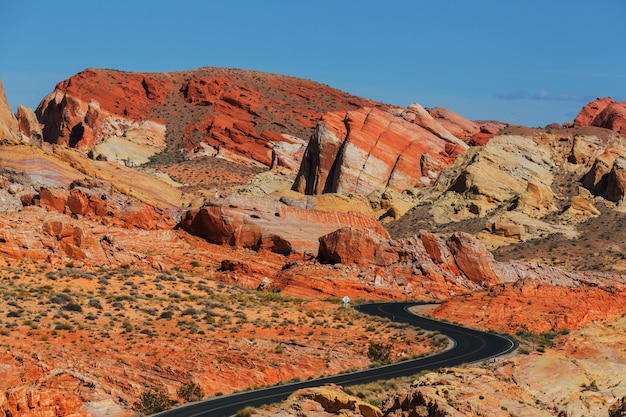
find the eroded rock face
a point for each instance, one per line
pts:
(263, 223)
(509, 171)
(473, 258)
(605, 113)
(29, 125)
(350, 245)
(9, 128)
(368, 149)
(591, 110)
(97, 201)
(324, 401)
(237, 114)
(418, 403)
(461, 255)
(616, 182)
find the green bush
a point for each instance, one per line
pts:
(152, 401)
(190, 392)
(379, 352)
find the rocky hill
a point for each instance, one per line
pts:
(149, 217)
(246, 117)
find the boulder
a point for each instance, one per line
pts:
(439, 252)
(29, 125)
(325, 401)
(616, 182)
(97, 201)
(581, 207)
(390, 205)
(538, 200)
(509, 227)
(359, 246)
(473, 259)
(462, 255)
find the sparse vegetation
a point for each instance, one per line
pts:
(190, 391)
(379, 352)
(153, 401)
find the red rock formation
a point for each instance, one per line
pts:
(439, 252)
(605, 113)
(454, 123)
(234, 113)
(96, 200)
(613, 117)
(267, 223)
(473, 258)
(368, 149)
(462, 257)
(591, 110)
(536, 306)
(350, 245)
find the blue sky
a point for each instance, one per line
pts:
(524, 62)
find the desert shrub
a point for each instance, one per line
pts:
(60, 298)
(95, 303)
(72, 307)
(246, 412)
(379, 352)
(152, 401)
(189, 312)
(190, 392)
(166, 315)
(64, 326)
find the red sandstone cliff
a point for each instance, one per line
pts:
(368, 149)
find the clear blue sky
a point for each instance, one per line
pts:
(526, 62)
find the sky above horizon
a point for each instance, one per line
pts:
(530, 63)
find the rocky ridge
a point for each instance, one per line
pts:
(365, 150)
(237, 115)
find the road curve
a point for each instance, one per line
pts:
(468, 346)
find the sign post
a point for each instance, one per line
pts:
(345, 300)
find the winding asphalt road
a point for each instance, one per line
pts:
(467, 346)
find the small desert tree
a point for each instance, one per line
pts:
(379, 352)
(190, 392)
(152, 401)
